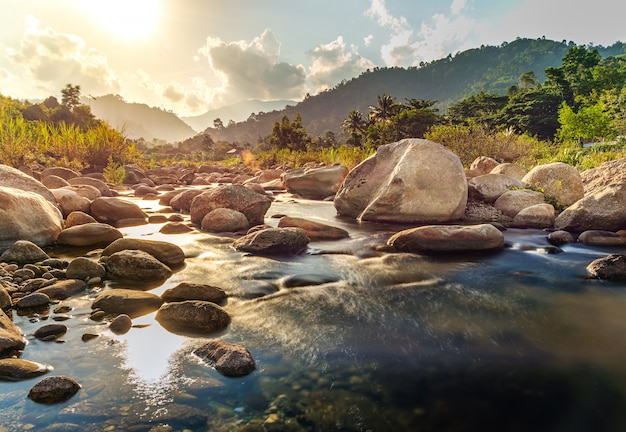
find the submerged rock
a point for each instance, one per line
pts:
(448, 238)
(227, 358)
(54, 389)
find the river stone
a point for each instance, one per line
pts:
(78, 218)
(70, 201)
(190, 291)
(511, 170)
(62, 172)
(536, 216)
(89, 234)
(53, 182)
(5, 299)
(64, 289)
(558, 180)
(14, 369)
(33, 300)
(490, 187)
(11, 339)
(315, 183)
(601, 238)
(448, 238)
(182, 200)
(192, 316)
(512, 201)
(560, 237)
(235, 197)
(83, 268)
(612, 172)
(136, 265)
(113, 210)
(126, 301)
(23, 252)
(143, 190)
(410, 181)
(175, 228)
(271, 241)
(27, 216)
(102, 187)
(224, 220)
(121, 324)
(86, 191)
(48, 330)
(228, 359)
(604, 210)
(53, 389)
(169, 254)
(15, 179)
(612, 267)
(483, 165)
(314, 230)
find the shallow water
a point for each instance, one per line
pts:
(514, 340)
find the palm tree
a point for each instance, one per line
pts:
(354, 123)
(387, 108)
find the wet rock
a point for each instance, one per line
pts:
(53, 389)
(125, 301)
(601, 238)
(136, 265)
(83, 268)
(235, 197)
(224, 220)
(558, 180)
(314, 230)
(23, 252)
(604, 210)
(157, 219)
(398, 184)
(175, 228)
(192, 316)
(78, 218)
(89, 234)
(64, 289)
(11, 339)
(34, 300)
(228, 359)
(111, 210)
(5, 299)
(272, 241)
(612, 267)
(182, 200)
(448, 238)
(511, 202)
(560, 237)
(70, 201)
(14, 369)
(536, 216)
(190, 291)
(315, 183)
(302, 280)
(511, 170)
(50, 331)
(169, 254)
(490, 187)
(121, 324)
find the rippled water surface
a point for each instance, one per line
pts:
(350, 339)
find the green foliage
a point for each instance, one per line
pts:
(288, 135)
(114, 172)
(589, 122)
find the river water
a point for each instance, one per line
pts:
(346, 338)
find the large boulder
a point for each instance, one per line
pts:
(511, 170)
(224, 220)
(127, 301)
(558, 180)
(61, 172)
(612, 267)
(27, 216)
(315, 183)
(16, 179)
(70, 201)
(136, 265)
(13, 369)
(102, 187)
(483, 165)
(23, 252)
(273, 241)
(490, 187)
(181, 201)
(112, 210)
(168, 253)
(53, 390)
(192, 316)
(512, 202)
(235, 197)
(448, 238)
(410, 181)
(535, 216)
(190, 291)
(89, 234)
(11, 339)
(228, 359)
(612, 172)
(602, 210)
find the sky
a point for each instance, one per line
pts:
(191, 56)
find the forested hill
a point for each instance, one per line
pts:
(489, 68)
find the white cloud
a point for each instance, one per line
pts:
(435, 39)
(367, 40)
(332, 62)
(53, 59)
(251, 70)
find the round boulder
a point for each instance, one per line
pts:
(603, 210)
(224, 220)
(512, 201)
(190, 291)
(89, 234)
(113, 210)
(315, 183)
(14, 369)
(54, 389)
(136, 265)
(70, 201)
(121, 324)
(83, 268)
(448, 238)
(23, 252)
(490, 187)
(78, 218)
(125, 301)
(64, 289)
(314, 230)
(235, 197)
(228, 359)
(558, 180)
(271, 241)
(612, 267)
(192, 316)
(169, 254)
(536, 216)
(11, 339)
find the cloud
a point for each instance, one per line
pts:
(435, 39)
(332, 62)
(251, 70)
(367, 40)
(53, 59)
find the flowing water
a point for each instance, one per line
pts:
(349, 339)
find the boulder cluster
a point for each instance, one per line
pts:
(412, 182)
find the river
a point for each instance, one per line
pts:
(346, 338)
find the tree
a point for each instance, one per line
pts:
(528, 80)
(588, 123)
(289, 135)
(218, 123)
(70, 96)
(387, 107)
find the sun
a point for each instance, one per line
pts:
(127, 19)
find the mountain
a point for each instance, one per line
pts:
(491, 69)
(139, 120)
(237, 112)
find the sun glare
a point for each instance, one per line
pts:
(128, 19)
